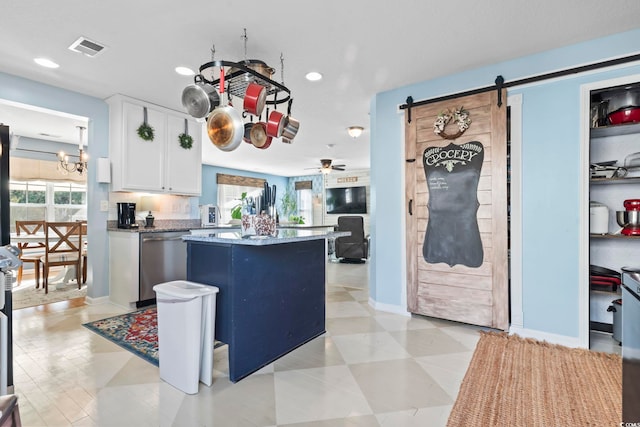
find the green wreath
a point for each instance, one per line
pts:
(145, 132)
(186, 141)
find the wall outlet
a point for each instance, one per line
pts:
(104, 206)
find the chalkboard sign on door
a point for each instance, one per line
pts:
(452, 174)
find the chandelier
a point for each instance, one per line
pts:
(81, 165)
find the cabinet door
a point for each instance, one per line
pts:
(184, 166)
(143, 161)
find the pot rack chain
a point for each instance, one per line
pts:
(238, 81)
(290, 100)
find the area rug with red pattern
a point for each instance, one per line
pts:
(136, 331)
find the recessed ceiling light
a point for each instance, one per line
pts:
(46, 63)
(314, 76)
(185, 71)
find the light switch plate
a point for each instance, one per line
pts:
(104, 206)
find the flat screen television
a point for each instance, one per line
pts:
(348, 200)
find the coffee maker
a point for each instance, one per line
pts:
(127, 215)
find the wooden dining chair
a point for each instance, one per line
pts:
(84, 252)
(63, 241)
(31, 252)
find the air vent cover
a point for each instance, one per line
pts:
(86, 46)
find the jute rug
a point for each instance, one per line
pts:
(26, 295)
(512, 381)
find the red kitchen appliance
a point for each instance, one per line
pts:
(625, 115)
(629, 219)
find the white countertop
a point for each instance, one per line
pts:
(282, 236)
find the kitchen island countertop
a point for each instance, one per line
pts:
(282, 236)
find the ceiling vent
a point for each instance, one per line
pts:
(86, 46)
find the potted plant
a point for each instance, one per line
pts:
(236, 212)
(296, 219)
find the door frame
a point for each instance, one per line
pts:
(584, 241)
(514, 102)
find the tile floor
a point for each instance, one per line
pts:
(370, 369)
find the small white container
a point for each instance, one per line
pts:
(598, 218)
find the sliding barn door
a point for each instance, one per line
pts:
(456, 193)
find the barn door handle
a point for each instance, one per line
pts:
(410, 206)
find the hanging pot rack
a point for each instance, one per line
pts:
(237, 81)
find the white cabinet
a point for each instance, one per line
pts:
(160, 165)
(124, 268)
(183, 166)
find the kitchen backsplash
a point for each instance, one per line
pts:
(163, 207)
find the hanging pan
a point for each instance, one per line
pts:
(199, 98)
(255, 98)
(247, 132)
(225, 126)
(259, 137)
(291, 126)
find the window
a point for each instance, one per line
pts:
(305, 205)
(229, 197)
(38, 200)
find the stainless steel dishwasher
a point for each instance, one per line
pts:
(163, 258)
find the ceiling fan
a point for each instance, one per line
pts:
(326, 166)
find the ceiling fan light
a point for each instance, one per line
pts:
(355, 131)
(325, 171)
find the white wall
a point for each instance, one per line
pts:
(360, 178)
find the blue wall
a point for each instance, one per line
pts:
(551, 182)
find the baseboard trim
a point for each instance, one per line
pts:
(94, 301)
(388, 308)
(573, 342)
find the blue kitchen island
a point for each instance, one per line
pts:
(272, 291)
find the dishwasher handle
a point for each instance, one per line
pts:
(161, 239)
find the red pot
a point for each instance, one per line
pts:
(255, 98)
(625, 115)
(275, 124)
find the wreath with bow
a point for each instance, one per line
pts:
(145, 131)
(461, 118)
(185, 140)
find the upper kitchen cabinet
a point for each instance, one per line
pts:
(163, 164)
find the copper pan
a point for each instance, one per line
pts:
(259, 137)
(225, 126)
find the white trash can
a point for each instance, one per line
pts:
(186, 325)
